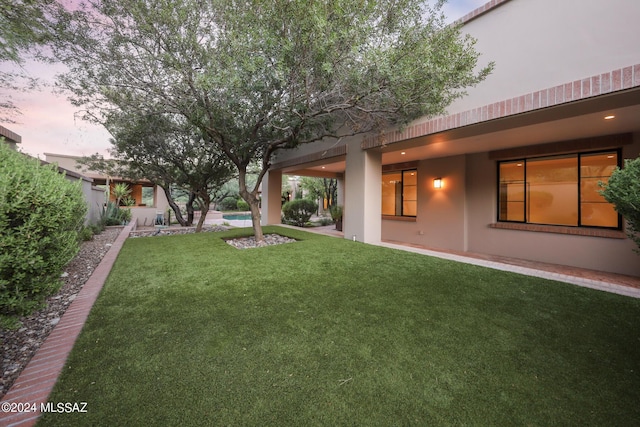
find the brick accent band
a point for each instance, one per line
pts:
(479, 11)
(589, 87)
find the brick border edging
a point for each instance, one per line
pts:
(36, 381)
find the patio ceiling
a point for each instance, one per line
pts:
(570, 121)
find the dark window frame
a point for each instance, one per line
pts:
(579, 156)
(402, 172)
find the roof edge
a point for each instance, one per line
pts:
(10, 135)
(487, 7)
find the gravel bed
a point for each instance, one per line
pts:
(19, 346)
(148, 232)
(250, 242)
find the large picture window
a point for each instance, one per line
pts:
(400, 193)
(557, 190)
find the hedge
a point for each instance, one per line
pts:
(41, 213)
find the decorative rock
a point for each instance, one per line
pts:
(19, 345)
(250, 242)
(175, 230)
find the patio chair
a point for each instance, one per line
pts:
(160, 219)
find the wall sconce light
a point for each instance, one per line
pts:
(437, 183)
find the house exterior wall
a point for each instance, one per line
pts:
(538, 44)
(458, 217)
(597, 253)
(70, 163)
(558, 66)
(10, 138)
(440, 219)
(93, 196)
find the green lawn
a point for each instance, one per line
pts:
(191, 331)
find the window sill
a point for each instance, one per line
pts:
(399, 218)
(559, 229)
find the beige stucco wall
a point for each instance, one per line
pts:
(440, 220)
(93, 196)
(597, 253)
(555, 42)
(363, 204)
(69, 163)
(457, 217)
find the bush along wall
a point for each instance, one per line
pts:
(298, 212)
(41, 213)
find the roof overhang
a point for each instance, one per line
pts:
(568, 121)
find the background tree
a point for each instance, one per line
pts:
(168, 151)
(257, 76)
(623, 190)
(25, 26)
(321, 188)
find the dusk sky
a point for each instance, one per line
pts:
(48, 123)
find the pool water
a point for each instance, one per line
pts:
(237, 217)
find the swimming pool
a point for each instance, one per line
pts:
(237, 217)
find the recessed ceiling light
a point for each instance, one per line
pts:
(403, 153)
(609, 117)
(323, 167)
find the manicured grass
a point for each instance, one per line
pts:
(191, 331)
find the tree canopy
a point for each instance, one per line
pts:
(168, 151)
(25, 26)
(257, 76)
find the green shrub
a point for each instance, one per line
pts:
(242, 205)
(125, 215)
(228, 204)
(336, 212)
(97, 228)
(85, 234)
(623, 190)
(324, 221)
(112, 214)
(41, 213)
(298, 212)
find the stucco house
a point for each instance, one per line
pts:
(149, 198)
(512, 169)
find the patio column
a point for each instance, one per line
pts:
(363, 198)
(340, 190)
(271, 197)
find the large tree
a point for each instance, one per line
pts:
(258, 76)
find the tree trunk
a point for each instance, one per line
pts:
(204, 209)
(255, 219)
(174, 207)
(251, 198)
(190, 210)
